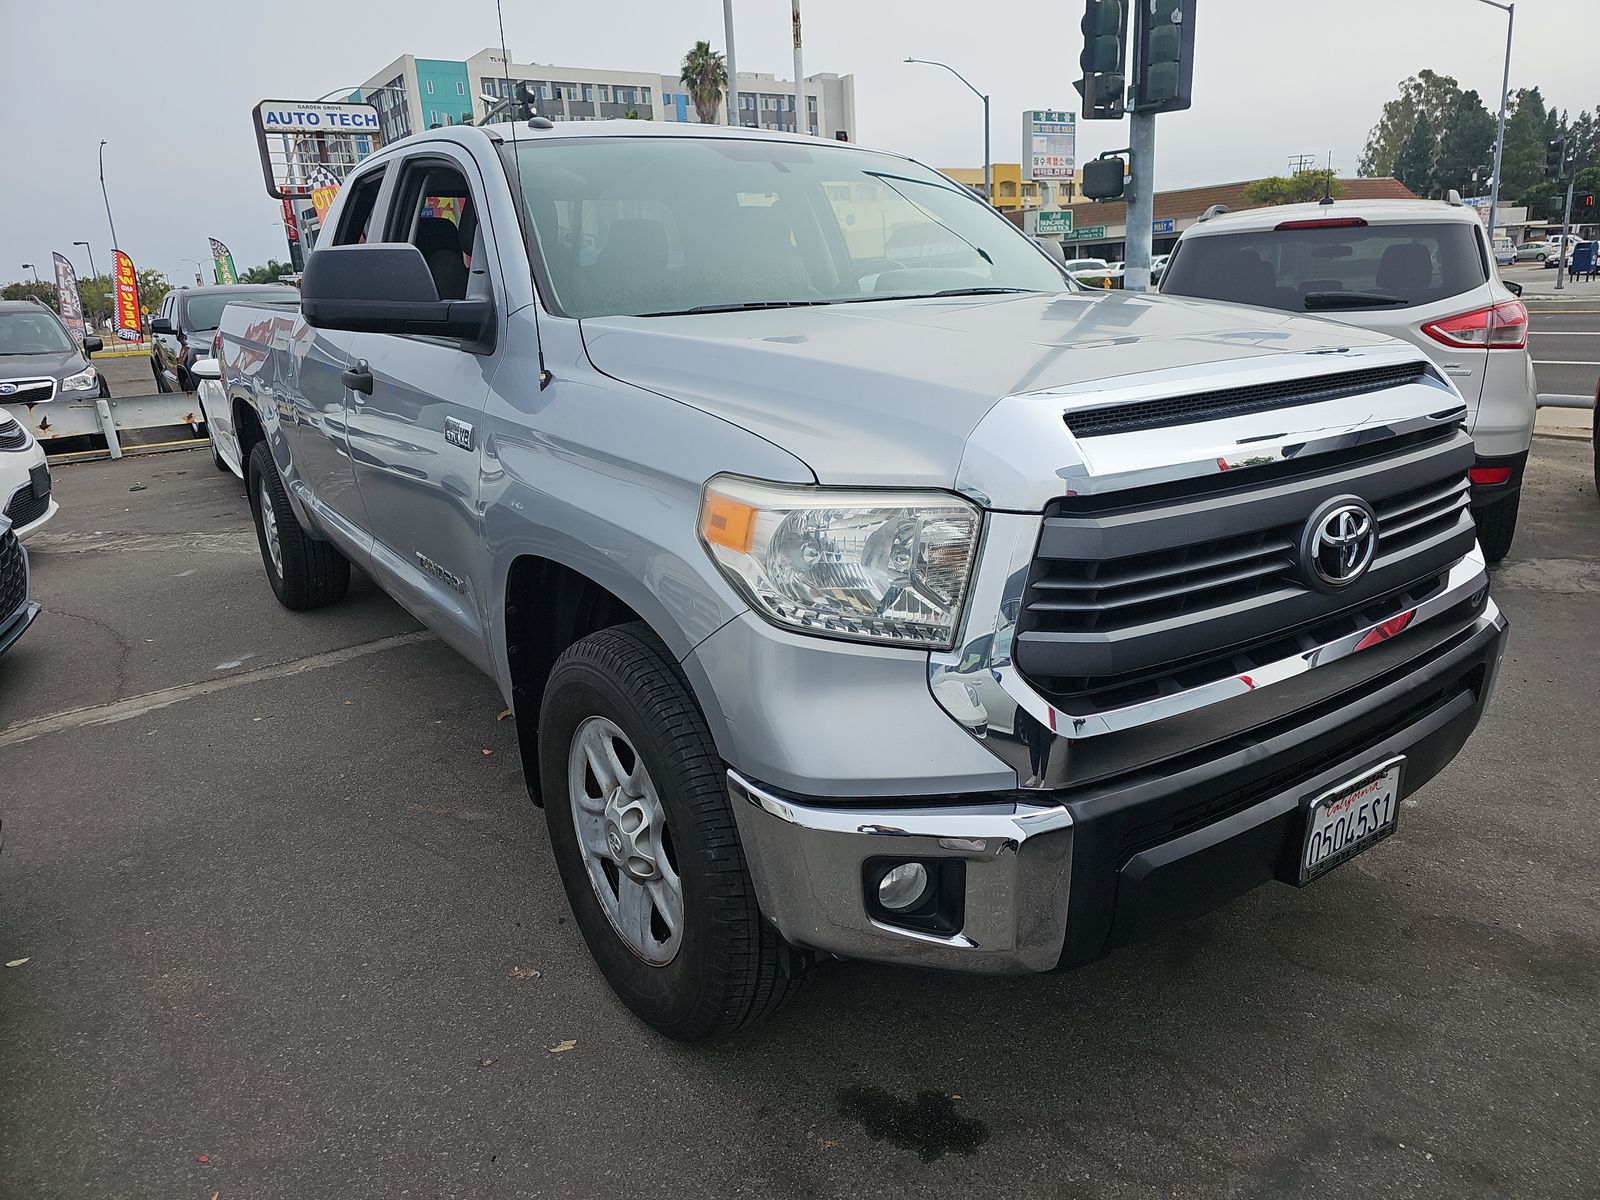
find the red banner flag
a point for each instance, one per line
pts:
(126, 284)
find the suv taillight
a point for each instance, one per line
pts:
(1498, 327)
(216, 346)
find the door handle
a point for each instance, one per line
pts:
(359, 377)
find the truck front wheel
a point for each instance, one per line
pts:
(643, 833)
(304, 572)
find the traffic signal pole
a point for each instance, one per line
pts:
(1142, 202)
(1566, 229)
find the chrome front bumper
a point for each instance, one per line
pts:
(808, 862)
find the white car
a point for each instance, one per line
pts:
(1561, 247)
(24, 478)
(1421, 270)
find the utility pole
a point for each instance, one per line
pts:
(1566, 229)
(1500, 132)
(801, 125)
(1299, 162)
(733, 72)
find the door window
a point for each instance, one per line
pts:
(356, 222)
(436, 213)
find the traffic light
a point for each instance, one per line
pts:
(1164, 59)
(1103, 60)
(1586, 200)
(1555, 156)
(1103, 178)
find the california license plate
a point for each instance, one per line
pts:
(1344, 821)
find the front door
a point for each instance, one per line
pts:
(414, 437)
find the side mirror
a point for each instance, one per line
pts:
(386, 287)
(206, 368)
(1054, 249)
(91, 343)
(162, 325)
(1514, 288)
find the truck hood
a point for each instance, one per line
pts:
(888, 393)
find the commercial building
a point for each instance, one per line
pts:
(1099, 229)
(1013, 193)
(421, 93)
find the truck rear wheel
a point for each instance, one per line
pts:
(304, 572)
(643, 833)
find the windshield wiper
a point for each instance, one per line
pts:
(971, 291)
(742, 307)
(1316, 300)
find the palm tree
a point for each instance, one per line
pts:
(705, 74)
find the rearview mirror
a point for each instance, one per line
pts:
(162, 325)
(91, 343)
(206, 368)
(386, 287)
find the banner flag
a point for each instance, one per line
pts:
(223, 257)
(125, 283)
(67, 298)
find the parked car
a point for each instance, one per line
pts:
(1091, 272)
(1505, 252)
(950, 615)
(1411, 268)
(25, 498)
(1532, 251)
(1158, 264)
(17, 608)
(40, 361)
(184, 326)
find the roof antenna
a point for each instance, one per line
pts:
(1327, 182)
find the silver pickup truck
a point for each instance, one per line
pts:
(862, 585)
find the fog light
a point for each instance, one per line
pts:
(903, 887)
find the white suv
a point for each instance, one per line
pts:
(1422, 270)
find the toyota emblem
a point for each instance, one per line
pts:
(1339, 543)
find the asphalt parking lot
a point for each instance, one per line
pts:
(292, 929)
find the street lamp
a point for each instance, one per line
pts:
(34, 269)
(1500, 133)
(114, 246)
(988, 168)
(198, 274)
(92, 269)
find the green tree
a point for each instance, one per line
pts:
(153, 288)
(1466, 144)
(1583, 141)
(1299, 188)
(1424, 94)
(1414, 167)
(1522, 159)
(25, 289)
(268, 273)
(705, 74)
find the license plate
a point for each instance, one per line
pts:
(1344, 821)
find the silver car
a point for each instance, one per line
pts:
(1415, 269)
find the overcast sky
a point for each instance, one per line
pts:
(170, 85)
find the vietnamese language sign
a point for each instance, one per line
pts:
(1049, 144)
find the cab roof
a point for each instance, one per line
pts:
(1374, 212)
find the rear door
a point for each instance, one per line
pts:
(415, 438)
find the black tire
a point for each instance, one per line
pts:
(731, 967)
(161, 379)
(1497, 525)
(307, 573)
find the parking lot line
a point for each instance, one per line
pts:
(135, 706)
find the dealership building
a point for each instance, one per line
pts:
(413, 93)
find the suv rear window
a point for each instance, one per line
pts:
(1330, 268)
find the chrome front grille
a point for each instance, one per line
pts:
(28, 391)
(1123, 603)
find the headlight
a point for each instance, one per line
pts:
(83, 381)
(866, 565)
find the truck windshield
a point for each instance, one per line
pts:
(1324, 268)
(664, 225)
